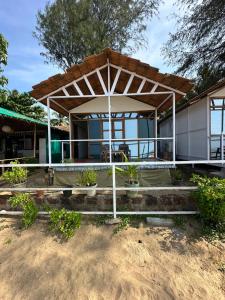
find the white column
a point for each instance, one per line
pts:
(35, 140)
(49, 133)
(109, 111)
(70, 134)
(156, 135)
(174, 128)
(208, 119)
(114, 190)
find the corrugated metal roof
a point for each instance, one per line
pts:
(15, 115)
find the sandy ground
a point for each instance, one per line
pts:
(138, 263)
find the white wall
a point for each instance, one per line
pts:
(191, 131)
(118, 104)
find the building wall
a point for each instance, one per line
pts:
(191, 131)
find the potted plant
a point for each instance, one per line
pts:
(88, 178)
(131, 173)
(17, 176)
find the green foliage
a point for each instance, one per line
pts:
(59, 120)
(64, 222)
(123, 225)
(71, 30)
(101, 219)
(179, 221)
(22, 103)
(16, 175)
(130, 172)
(27, 204)
(177, 174)
(199, 36)
(88, 178)
(211, 199)
(13, 100)
(3, 60)
(216, 232)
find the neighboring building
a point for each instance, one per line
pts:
(200, 126)
(25, 137)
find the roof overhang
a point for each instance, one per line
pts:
(110, 74)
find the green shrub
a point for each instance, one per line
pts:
(88, 178)
(177, 174)
(27, 204)
(15, 175)
(210, 199)
(64, 222)
(123, 225)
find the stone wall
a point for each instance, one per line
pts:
(145, 201)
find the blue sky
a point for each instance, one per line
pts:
(26, 66)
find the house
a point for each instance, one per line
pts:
(113, 103)
(200, 126)
(23, 138)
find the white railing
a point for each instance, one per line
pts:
(113, 141)
(114, 187)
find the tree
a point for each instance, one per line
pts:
(59, 120)
(70, 30)
(3, 62)
(22, 103)
(199, 38)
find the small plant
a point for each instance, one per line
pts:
(27, 204)
(17, 175)
(101, 219)
(123, 225)
(130, 172)
(88, 178)
(64, 222)
(8, 241)
(210, 199)
(179, 221)
(177, 174)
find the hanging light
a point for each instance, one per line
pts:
(7, 129)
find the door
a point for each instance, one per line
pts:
(42, 150)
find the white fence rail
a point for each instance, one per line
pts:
(114, 187)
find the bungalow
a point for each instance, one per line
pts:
(200, 126)
(113, 103)
(23, 138)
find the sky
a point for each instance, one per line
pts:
(26, 67)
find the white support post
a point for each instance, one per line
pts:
(49, 133)
(141, 86)
(128, 84)
(65, 91)
(208, 120)
(115, 80)
(102, 82)
(70, 134)
(222, 146)
(89, 85)
(156, 134)
(114, 190)
(77, 88)
(110, 123)
(62, 149)
(35, 140)
(174, 129)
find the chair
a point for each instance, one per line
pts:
(105, 152)
(125, 149)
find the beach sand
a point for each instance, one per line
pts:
(137, 263)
